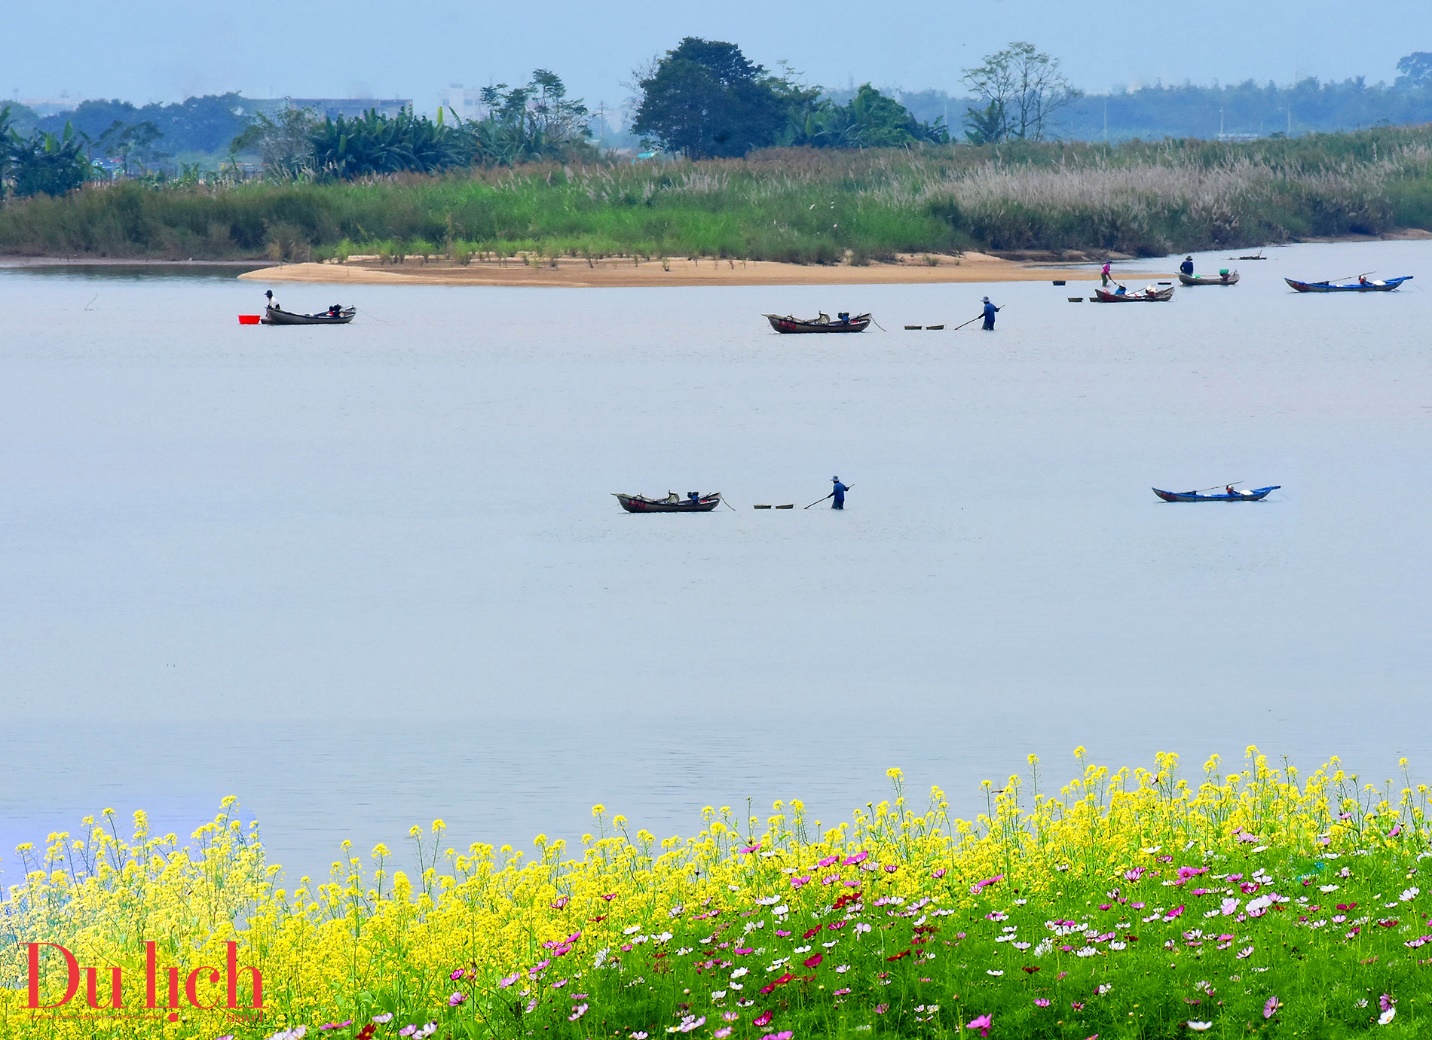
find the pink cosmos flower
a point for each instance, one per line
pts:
(890, 868)
(748, 849)
(722, 1033)
(1040, 1002)
(457, 974)
(828, 861)
(560, 903)
(938, 872)
(1271, 1007)
(456, 999)
(859, 857)
(982, 1023)
(762, 1020)
(880, 1009)
(577, 1012)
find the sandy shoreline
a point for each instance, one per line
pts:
(581, 274)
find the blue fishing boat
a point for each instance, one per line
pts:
(1256, 495)
(1361, 285)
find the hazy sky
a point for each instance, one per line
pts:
(165, 50)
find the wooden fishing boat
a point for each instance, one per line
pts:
(823, 323)
(1217, 279)
(1256, 495)
(1150, 294)
(672, 503)
(1361, 285)
(278, 316)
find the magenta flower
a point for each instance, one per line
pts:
(748, 849)
(859, 857)
(560, 903)
(938, 872)
(1271, 1007)
(762, 1020)
(813, 960)
(457, 975)
(890, 868)
(509, 980)
(336, 1025)
(1041, 1002)
(880, 1009)
(982, 1023)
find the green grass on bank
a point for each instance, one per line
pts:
(793, 205)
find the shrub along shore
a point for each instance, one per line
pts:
(789, 205)
(1130, 903)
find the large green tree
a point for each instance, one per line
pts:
(706, 99)
(1019, 90)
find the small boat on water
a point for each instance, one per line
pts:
(1256, 495)
(1231, 278)
(672, 503)
(1148, 294)
(333, 316)
(1253, 256)
(842, 322)
(1361, 285)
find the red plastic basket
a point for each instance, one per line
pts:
(249, 319)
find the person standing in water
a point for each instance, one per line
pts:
(1104, 276)
(838, 493)
(990, 310)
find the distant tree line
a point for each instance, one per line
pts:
(701, 99)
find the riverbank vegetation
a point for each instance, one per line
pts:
(798, 205)
(1128, 903)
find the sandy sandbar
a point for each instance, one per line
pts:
(614, 272)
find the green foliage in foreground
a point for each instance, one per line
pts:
(801, 205)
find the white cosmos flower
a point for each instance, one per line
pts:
(1200, 1027)
(1387, 1016)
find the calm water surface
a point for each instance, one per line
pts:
(363, 577)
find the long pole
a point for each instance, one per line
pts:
(976, 318)
(820, 500)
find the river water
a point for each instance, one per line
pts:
(364, 577)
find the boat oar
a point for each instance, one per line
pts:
(1216, 487)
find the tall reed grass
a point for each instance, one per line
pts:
(796, 205)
